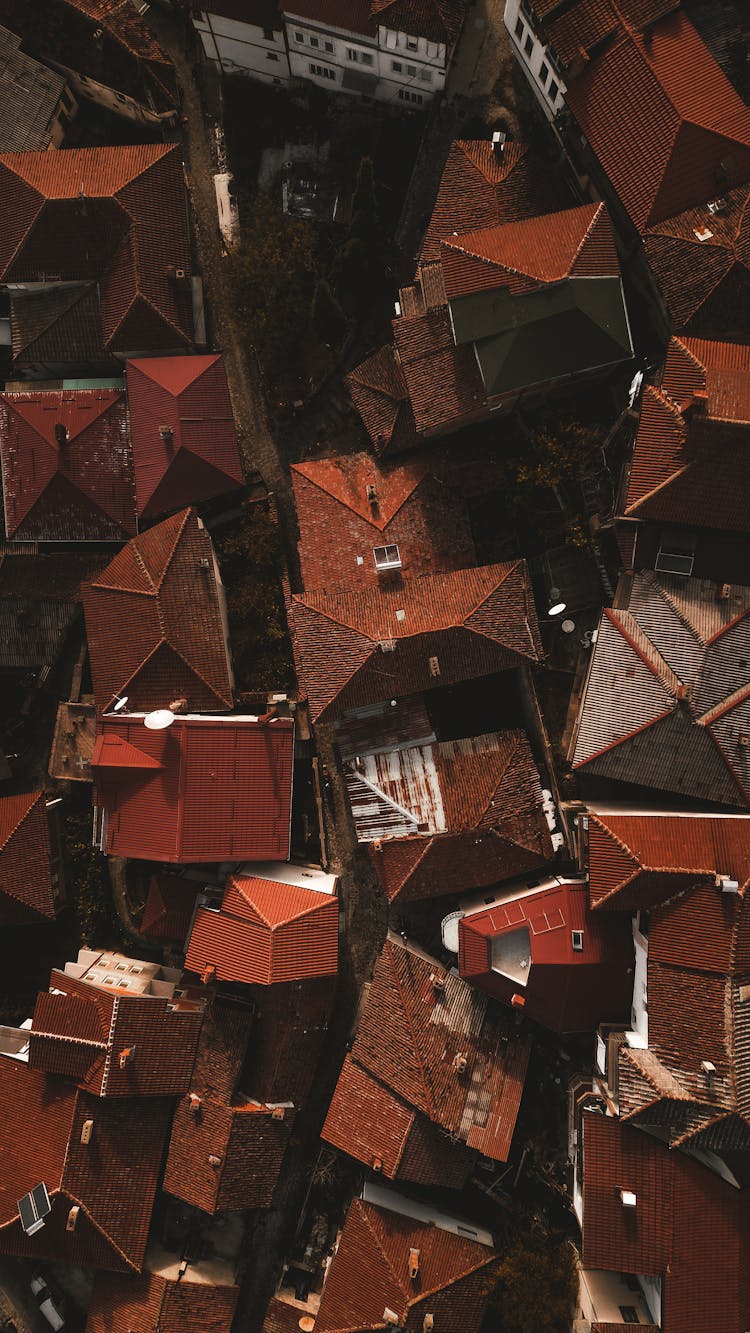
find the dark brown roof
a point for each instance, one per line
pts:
(152, 1302)
(57, 326)
(26, 875)
(379, 393)
(702, 264)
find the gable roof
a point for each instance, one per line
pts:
(701, 260)
(688, 462)
(266, 932)
(483, 186)
(112, 1179)
(116, 215)
(664, 121)
(152, 1301)
(639, 858)
(667, 698)
(412, 509)
(435, 20)
(57, 325)
(475, 620)
(378, 391)
(691, 1228)
(26, 879)
(142, 641)
(410, 1032)
(80, 1030)
(169, 906)
(378, 1241)
(67, 466)
(188, 397)
(578, 28)
(221, 789)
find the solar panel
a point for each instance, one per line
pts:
(33, 1208)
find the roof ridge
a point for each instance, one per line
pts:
(366, 1219)
(394, 970)
(425, 1294)
(508, 760)
(512, 567)
(724, 706)
(661, 670)
(594, 219)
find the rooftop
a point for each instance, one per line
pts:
(29, 883)
(30, 95)
(178, 1305)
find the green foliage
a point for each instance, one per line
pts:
(85, 879)
(273, 272)
(329, 320)
(560, 453)
(349, 276)
(252, 566)
(537, 1284)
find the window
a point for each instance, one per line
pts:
(411, 70)
(629, 1314)
(554, 89)
(577, 940)
(323, 72)
(351, 54)
(271, 55)
(387, 557)
(405, 95)
(676, 552)
(425, 75)
(366, 58)
(528, 45)
(328, 46)
(544, 72)
(314, 42)
(396, 66)
(519, 29)
(412, 44)
(298, 37)
(269, 35)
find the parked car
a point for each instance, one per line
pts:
(46, 1302)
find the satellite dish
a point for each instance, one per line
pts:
(120, 704)
(557, 609)
(159, 720)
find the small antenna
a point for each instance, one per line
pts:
(159, 720)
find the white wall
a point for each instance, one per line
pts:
(244, 48)
(535, 60)
(639, 1010)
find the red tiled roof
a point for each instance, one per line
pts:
(414, 509)
(687, 467)
(377, 1242)
(222, 791)
(668, 691)
(664, 121)
(639, 859)
(154, 622)
(126, 26)
(189, 397)
(689, 1227)
(371, 1123)
(443, 381)
(705, 282)
(348, 15)
(79, 1030)
(116, 215)
(580, 27)
(482, 187)
(436, 20)
(408, 1035)
(378, 391)
(566, 989)
(281, 1317)
(76, 489)
(151, 1302)
(112, 1179)
(525, 254)
(169, 905)
(475, 621)
(266, 932)
(25, 857)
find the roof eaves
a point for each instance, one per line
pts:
(620, 740)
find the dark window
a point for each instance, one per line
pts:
(629, 1314)
(298, 37)
(528, 45)
(396, 66)
(520, 30)
(554, 89)
(314, 42)
(412, 44)
(365, 57)
(544, 71)
(411, 70)
(328, 46)
(269, 34)
(271, 55)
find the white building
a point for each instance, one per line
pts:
(244, 37)
(536, 59)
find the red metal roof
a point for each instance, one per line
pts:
(414, 509)
(25, 858)
(409, 1033)
(377, 1242)
(151, 1301)
(112, 1178)
(188, 397)
(116, 215)
(222, 792)
(637, 859)
(566, 989)
(67, 466)
(169, 906)
(266, 932)
(474, 621)
(155, 622)
(689, 1227)
(667, 126)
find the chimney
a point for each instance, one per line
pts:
(428, 1323)
(627, 1198)
(196, 1102)
(459, 1063)
(178, 706)
(127, 1056)
(498, 144)
(209, 974)
(437, 982)
(377, 1164)
(390, 1317)
(72, 1218)
(166, 435)
(696, 405)
(278, 1113)
(413, 1264)
(87, 1131)
(518, 1001)
(61, 434)
(214, 1161)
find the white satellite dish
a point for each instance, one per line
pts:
(120, 704)
(557, 609)
(159, 720)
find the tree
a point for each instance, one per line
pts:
(252, 565)
(349, 275)
(537, 1287)
(329, 320)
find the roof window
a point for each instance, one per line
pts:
(387, 557)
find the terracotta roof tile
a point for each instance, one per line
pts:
(443, 381)
(57, 326)
(705, 282)
(67, 466)
(378, 391)
(187, 396)
(436, 20)
(26, 874)
(169, 906)
(249, 1143)
(662, 117)
(640, 859)
(378, 1242)
(154, 622)
(143, 1304)
(475, 621)
(222, 791)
